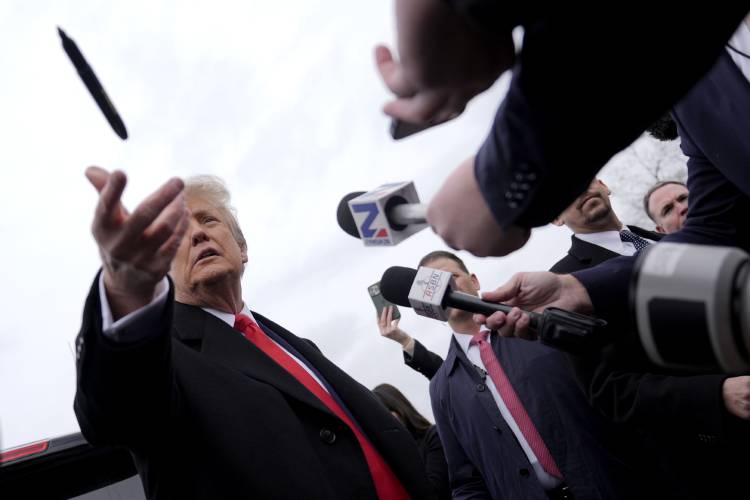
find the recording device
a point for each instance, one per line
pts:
(431, 292)
(383, 217)
(380, 302)
(692, 306)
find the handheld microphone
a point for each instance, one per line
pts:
(430, 292)
(383, 217)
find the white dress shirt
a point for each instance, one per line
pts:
(740, 41)
(611, 241)
(547, 481)
(114, 329)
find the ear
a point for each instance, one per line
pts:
(243, 253)
(660, 229)
(604, 186)
(475, 281)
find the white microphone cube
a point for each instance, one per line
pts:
(369, 213)
(428, 291)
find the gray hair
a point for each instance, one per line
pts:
(213, 189)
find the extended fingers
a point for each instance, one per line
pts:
(515, 323)
(391, 72)
(506, 292)
(169, 248)
(421, 108)
(165, 224)
(151, 208)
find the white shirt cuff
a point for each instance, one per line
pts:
(409, 347)
(114, 329)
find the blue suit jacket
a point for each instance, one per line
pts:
(484, 458)
(713, 120)
(707, 443)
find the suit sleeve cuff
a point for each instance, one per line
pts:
(114, 330)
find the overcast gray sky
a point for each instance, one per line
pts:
(282, 100)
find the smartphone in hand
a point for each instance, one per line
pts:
(380, 302)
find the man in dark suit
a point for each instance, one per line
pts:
(598, 234)
(708, 446)
(677, 425)
(529, 436)
(547, 142)
(213, 400)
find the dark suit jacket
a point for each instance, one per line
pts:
(676, 427)
(583, 254)
(424, 361)
(536, 159)
(484, 458)
(207, 415)
(433, 456)
(712, 119)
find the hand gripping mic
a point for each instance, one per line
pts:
(430, 292)
(383, 217)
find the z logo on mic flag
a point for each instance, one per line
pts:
(372, 213)
(369, 211)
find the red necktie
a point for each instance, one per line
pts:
(387, 484)
(512, 401)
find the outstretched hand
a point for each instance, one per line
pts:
(136, 248)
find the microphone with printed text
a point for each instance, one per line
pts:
(383, 217)
(430, 292)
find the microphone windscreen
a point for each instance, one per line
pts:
(344, 215)
(396, 283)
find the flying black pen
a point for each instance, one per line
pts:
(92, 83)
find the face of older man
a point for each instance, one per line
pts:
(590, 212)
(668, 206)
(209, 254)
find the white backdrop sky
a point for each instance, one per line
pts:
(282, 100)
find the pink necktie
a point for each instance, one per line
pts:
(511, 400)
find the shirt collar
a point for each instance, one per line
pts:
(605, 239)
(226, 317)
(464, 339)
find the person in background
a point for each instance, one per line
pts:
(666, 203)
(424, 433)
(512, 419)
(416, 355)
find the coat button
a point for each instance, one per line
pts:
(524, 472)
(496, 428)
(327, 436)
(481, 387)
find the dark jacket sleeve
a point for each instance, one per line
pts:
(717, 216)
(626, 388)
(535, 160)
(434, 462)
(466, 481)
(123, 390)
(424, 361)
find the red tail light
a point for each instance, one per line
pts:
(23, 451)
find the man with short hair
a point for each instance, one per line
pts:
(684, 423)
(666, 203)
(512, 419)
(212, 399)
(598, 234)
